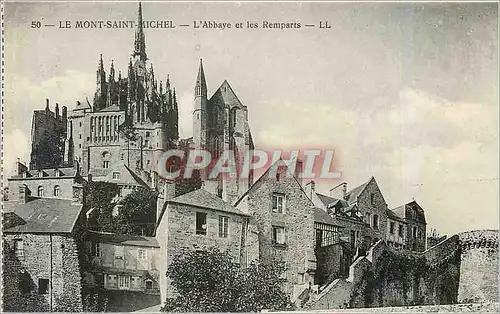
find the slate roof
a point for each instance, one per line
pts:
(204, 199)
(226, 95)
(69, 172)
(352, 196)
(403, 210)
(330, 201)
(393, 215)
(44, 215)
(123, 239)
(322, 217)
(82, 106)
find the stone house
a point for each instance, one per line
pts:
(44, 183)
(353, 230)
(370, 205)
(122, 268)
(414, 216)
(396, 230)
(199, 220)
(283, 216)
(41, 266)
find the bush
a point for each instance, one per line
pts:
(210, 281)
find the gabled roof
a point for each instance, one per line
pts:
(69, 172)
(44, 215)
(82, 106)
(331, 201)
(127, 177)
(204, 199)
(112, 108)
(402, 211)
(266, 173)
(226, 95)
(352, 196)
(123, 239)
(393, 215)
(322, 217)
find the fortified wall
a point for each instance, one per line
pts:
(460, 269)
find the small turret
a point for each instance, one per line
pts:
(57, 111)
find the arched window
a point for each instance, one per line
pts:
(57, 190)
(40, 191)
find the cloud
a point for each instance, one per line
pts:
(16, 145)
(22, 96)
(421, 147)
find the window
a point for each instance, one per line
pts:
(19, 247)
(223, 226)
(79, 136)
(142, 254)
(146, 143)
(105, 164)
(201, 223)
(400, 230)
(57, 190)
(278, 203)
(392, 227)
(368, 218)
(414, 232)
(96, 249)
(116, 175)
(375, 221)
(119, 252)
(147, 134)
(278, 236)
(124, 282)
(43, 286)
(79, 145)
(149, 284)
(40, 191)
(372, 198)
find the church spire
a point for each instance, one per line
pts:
(201, 85)
(140, 41)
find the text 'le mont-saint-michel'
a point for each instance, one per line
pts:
(169, 24)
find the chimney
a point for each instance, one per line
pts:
(339, 191)
(310, 188)
(47, 104)
(298, 171)
(57, 111)
(24, 194)
(20, 167)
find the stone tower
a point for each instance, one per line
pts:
(200, 110)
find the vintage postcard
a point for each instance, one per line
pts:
(250, 156)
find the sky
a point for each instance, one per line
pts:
(407, 93)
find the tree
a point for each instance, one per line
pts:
(99, 201)
(210, 281)
(137, 214)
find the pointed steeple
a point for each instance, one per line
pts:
(140, 40)
(200, 89)
(100, 71)
(112, 72)
(168, 82)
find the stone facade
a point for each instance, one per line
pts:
(295, 220)
(124, 264)
(177, 232)
(46, 183)
(46, 260)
